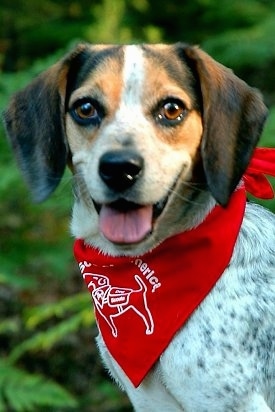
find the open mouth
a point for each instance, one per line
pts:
(124, 222)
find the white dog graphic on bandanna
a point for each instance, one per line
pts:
(119, 300)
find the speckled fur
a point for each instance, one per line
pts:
(223, 358)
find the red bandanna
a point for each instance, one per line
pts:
(140, 303)
(262, 162)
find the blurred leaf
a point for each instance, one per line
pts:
(10, 325)
(21, 391)
(77, 303)
(245, 47)
(42, 341)
(268, 137)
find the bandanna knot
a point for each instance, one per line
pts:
(261, 164)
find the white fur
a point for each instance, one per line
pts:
(211, 364)
(133, 79)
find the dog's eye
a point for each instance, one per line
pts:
(171, 112)
(86, 112)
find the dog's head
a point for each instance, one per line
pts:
(152, 133)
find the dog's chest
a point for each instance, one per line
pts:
(225, 339)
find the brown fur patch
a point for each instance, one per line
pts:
(161, 84)
(103, 84)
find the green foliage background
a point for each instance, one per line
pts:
(48, 361)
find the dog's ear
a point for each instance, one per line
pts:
(233, 118)
(34, 123)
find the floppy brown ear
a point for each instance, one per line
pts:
(233, 118)
(34, 123)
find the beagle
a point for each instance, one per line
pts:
(159, 138)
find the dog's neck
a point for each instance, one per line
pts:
(163, 286)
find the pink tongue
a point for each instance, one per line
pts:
(125, 227)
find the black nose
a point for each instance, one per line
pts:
(119, 169)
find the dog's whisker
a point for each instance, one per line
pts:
(194, 186)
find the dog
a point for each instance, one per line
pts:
(118, 300)
(158, 139)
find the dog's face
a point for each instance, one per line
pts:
(152, 133)
(134, 130)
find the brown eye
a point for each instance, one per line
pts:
(171, 112)
(85, 110)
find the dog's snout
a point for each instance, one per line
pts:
(120, 169)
